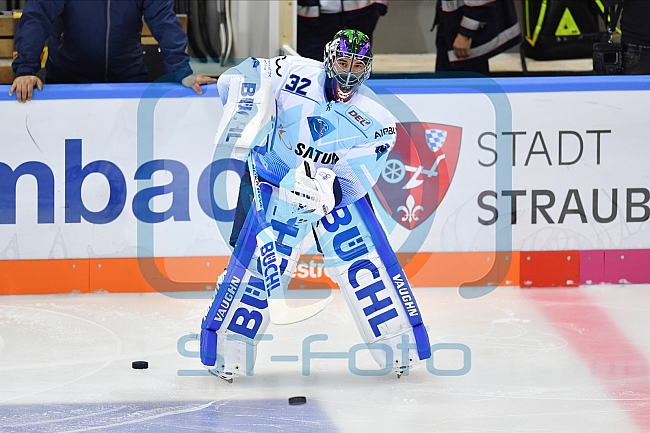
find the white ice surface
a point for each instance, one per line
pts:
(65, 365)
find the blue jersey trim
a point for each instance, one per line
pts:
(301, 95)
(352, 123)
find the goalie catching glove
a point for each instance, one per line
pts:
(301, 196)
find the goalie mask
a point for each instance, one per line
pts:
(348, 62)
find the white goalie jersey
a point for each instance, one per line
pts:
(277, 117)
(352, 139)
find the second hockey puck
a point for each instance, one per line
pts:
(140, 365)
(297, 400)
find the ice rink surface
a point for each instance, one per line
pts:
(515, 360)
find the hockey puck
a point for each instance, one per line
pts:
(297, 400)
(140, 365)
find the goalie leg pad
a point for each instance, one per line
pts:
(241, 313)
(241, 316)
(240, 305)
(397, 277)
(208, 348)
(360, 259)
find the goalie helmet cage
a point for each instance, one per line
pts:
(562, 29)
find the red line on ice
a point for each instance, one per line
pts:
(611, 356)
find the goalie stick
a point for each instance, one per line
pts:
(253, 131)
(280, 312)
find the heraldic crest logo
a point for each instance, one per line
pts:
(419, 170)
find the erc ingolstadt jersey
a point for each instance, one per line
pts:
(352, 138)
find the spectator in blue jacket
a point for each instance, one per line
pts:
(97, 41)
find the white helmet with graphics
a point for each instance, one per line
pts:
(348, 62)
